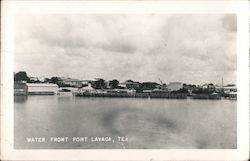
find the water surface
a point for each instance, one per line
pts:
(147, 123)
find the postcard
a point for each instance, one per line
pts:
(125, 80)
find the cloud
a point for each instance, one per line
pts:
(119, 46)
(180, 47)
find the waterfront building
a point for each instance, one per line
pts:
(123, 85)
(204, 86)
(107, 83)
(209, 87)
(42, 78)
(42, 88)
(34, 79)
(231, 88)
(86, 82)
(88, 88)
(129, 85)
(174, 86)
(20, 88)
(147, 91)
(230, 91)
(71, 82)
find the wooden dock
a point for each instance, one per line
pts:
(206, 96)
(132, 95)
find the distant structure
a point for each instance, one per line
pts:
(129, 85)
(86, 82)
(230, 91)
(88, 88)
(34, 79)
(174, 86)
(20, 88)
(42, 88)
(230, 88)
(71, 82)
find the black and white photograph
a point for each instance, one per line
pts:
(151, 81)
(106, 81)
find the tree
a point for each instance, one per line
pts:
(46, 80)
(211, 87)
(129, 81)
(148, 85)
(54, 80)
(114, 83)
(98, 84)
(182, 90)
(21, 76)
(201, 91)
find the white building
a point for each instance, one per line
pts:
(122, 85)
(228, 89)
(34, 78)
(86, 82)
(72, 82)
(42, 88)
(174, 86)
(88, 88)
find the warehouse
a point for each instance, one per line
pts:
(42, 88)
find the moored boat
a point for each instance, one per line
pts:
(64, 91)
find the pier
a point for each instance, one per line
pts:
(132, 95)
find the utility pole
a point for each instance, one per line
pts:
(222, 86)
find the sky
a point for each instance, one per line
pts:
(188, 48)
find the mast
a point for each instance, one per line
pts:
(222, 85)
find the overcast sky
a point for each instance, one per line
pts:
(187, 48)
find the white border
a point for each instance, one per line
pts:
(10, 8)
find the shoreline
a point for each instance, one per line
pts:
(138, 95)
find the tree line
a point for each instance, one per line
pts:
(115, 84)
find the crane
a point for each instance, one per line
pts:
(160, 81)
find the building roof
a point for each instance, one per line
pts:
(230, 87)
(174, 82)
(87, 80)
(41, 85)
(71, 80)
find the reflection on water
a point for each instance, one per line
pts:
(20, 98)
(148, 124)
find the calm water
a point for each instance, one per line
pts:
(150, 124)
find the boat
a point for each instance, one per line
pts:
(64, 91)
